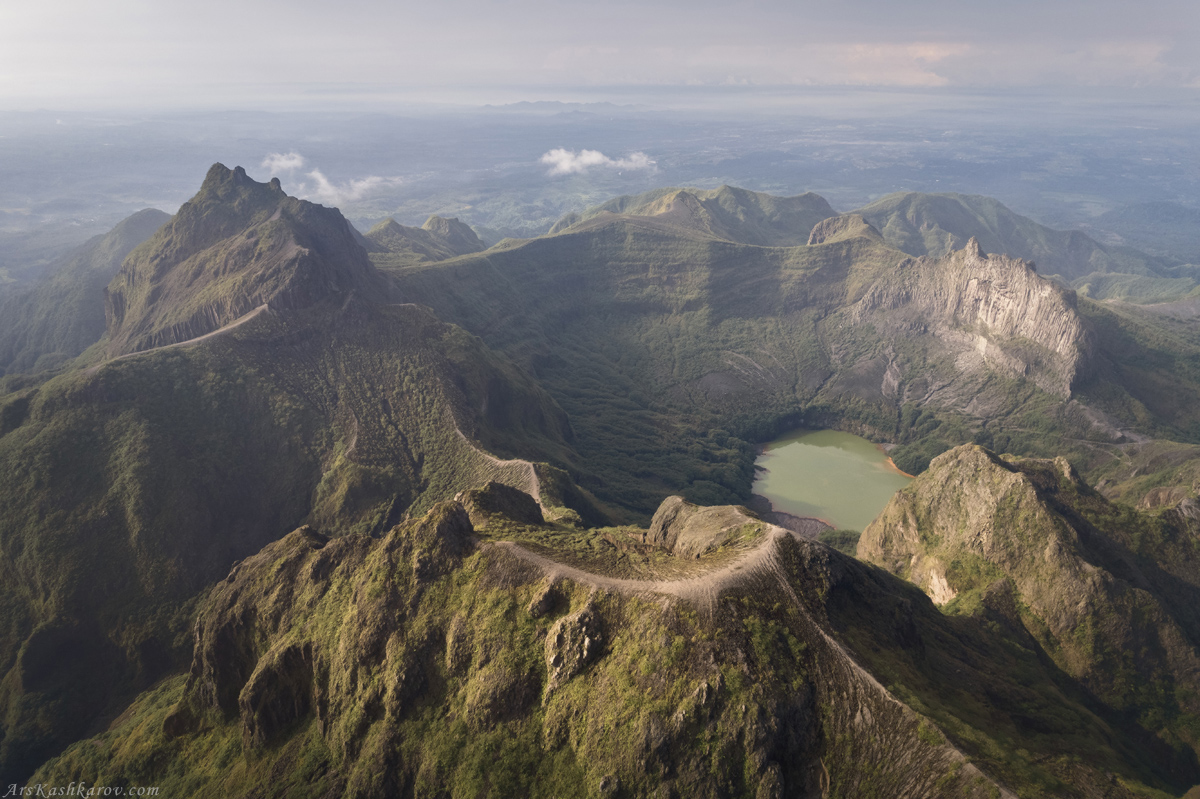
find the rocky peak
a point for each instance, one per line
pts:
(975, 518)
(438, 239)
(237, 245)
(690, 530)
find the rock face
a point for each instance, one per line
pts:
(690, 530)
(499, 498)
(991, 310)
(235, 246)
(1109, 593)
(841, 228)
(572, 643)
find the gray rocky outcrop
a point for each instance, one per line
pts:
(690, 530)
(989, 310)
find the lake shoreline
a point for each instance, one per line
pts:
(841, 479)
(806, 526)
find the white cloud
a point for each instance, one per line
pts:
(314, 185)
(326, 191)
(282, 162)
(568, 162)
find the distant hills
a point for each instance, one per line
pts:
(1165, 229)
(730, 214)
(934, 224)
(64, 315)
(923, 224)
(436, 240)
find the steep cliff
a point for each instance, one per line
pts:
(987, 309)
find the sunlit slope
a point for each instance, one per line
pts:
(1109, 594)
(487, 653)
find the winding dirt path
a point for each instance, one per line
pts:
(702, 589)
(241, 320)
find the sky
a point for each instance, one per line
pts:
(259, 53)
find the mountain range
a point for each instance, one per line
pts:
(320, 513)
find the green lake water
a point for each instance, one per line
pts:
(837, 477)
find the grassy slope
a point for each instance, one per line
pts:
(126, 492)
(416, 664)
(1108, 594)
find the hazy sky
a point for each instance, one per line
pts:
(255, 52)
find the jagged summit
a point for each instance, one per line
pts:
(237, 245)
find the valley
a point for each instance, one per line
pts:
(317, 512)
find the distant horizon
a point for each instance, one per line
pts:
(778, 99)
(134, 54)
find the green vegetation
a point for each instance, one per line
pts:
(844, 541)
(128, 491)
(1013, 539)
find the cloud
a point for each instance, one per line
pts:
(282, 162)
(568, 162)
(326, 191)
(314, 185)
